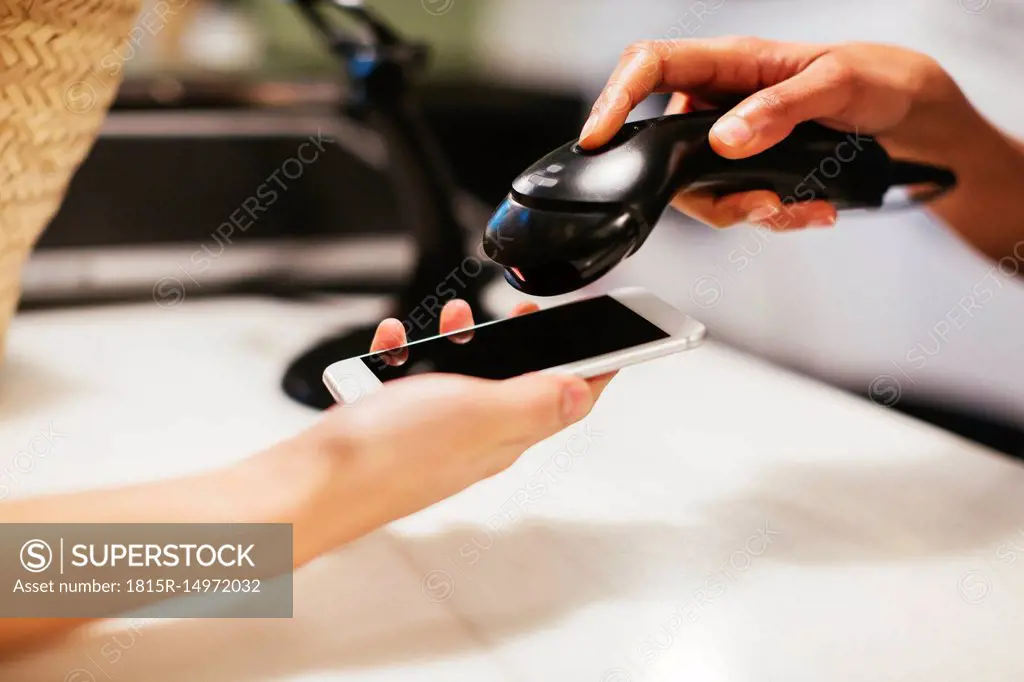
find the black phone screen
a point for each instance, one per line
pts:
(528, 343)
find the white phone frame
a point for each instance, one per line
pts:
(350, 380)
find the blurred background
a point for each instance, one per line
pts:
(232, 113)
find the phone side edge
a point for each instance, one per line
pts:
(612, 362)
(349, 381)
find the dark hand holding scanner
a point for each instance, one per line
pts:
(575, 214)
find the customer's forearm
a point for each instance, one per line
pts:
(254, 491)
(287, 484)
(231, 495)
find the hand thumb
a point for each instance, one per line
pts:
(532, 407)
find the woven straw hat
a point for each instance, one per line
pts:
(61, 62)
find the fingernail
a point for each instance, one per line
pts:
(734, 131)
(588, 127)
(762, 214)
(824, 221)
(576, 401)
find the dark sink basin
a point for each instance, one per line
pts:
(184, 169)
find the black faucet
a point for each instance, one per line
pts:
(381, 67)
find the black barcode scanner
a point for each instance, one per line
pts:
(575, 214)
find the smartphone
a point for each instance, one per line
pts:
(587, 337)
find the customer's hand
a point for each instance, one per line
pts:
(903, 98)
(420, 439)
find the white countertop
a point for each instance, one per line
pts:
(714, 519)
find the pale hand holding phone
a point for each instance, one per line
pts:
(425, 438)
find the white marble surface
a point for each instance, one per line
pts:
(714, 519)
